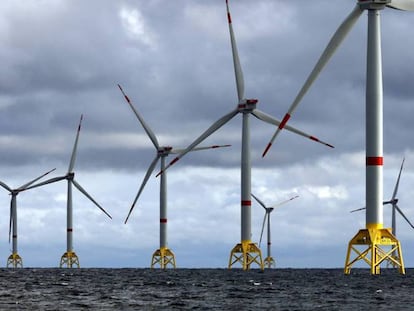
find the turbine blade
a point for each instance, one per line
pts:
(75, 146)
(34, 180)
(258, 201)
(147, 129)
(89, 197)
(286, 201)
(263, 225)
(49, 181)
(219, 123)
(269, 119)
(332, 46)
(176, 151)
(394, 194)
(402, 214)
(236, 61)
(5, 186)
(144, 182)
(404, 5)
(358, 209)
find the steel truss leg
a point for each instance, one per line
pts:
(69, 260)
(246, 253)
(14, 261)
(163, 257)
(368, 245)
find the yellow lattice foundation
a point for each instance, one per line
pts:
(246, 253)
(69, 260)
(14, 261)
(375, 246)
(163, 257)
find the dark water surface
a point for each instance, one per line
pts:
(204, 289)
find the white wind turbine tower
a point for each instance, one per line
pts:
(14, 260)
(269, 261)
(69, 259)
(374, 235)
(246, 252)
(164, 255)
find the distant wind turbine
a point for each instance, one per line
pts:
(394, 205)
(164, 255)
(69, 259)
(269, 261)
(14, 260)
(246, 253)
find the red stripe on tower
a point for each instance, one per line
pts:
(374, 161)
(70, 230)
(246, 203)
(163, 220)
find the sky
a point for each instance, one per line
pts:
(61, 59)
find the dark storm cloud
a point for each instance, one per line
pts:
(175, 64)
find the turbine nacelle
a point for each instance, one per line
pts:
(70, 176)
(393, 202)
(247, 105)
(373, 4)
(164, 151)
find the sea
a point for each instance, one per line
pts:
(204, 289)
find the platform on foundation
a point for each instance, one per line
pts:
(14, 261)
(374, 246)
(69, 260)
(246, 253)
(163, 257)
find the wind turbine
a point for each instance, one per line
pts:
(14, 259)
(394, 205)
(374, 235)
(246, 252)
(164, 255)
(269, 262)
(69, 259)
(395, 208)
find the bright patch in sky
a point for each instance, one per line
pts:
(328, 192)
(133, 22)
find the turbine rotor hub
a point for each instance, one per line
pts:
(164, 151)
(247, 105)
